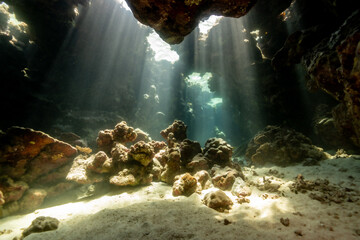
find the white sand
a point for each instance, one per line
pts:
(152, 212)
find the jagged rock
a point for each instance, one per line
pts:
(188, 149)
(218, 151)
(204, 180)
(97, 164)
(176, 132)
(162, 157)
(80, 172)
(199, 162)
(51, 157)
(32, 199)
(172, 166)
(12, 191)
(41, 224)
(217, 200)
(105, 140)
(184, 185)
(240, 189)
(281, 147)
(24, 150)
(157, 145)
(132, 175)
(141, 152)
(224, 178)
(123, 133)
(173, 20)
(119, 154)
(333, 67)
(141, 136)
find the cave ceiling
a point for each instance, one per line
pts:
(173, 20)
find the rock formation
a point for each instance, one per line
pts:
(218, 200)
(173, 20)
(30, 158)
(282, 147)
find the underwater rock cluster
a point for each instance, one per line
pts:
(282, 147)
(36, 166)
(32, 167)
(173, 20)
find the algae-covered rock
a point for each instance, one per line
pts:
(224, 178)
(142, 152)
(198, 162)
(172, 166)
(184, 185)
(123, 133)
(282, 147)
(105, 140)
(217, 200)
(176, 130)
(80, 172)
(132, 175)
(218, 151)
(97, 163)
(188, 149)
(204, 180)
(29, 154)
(41, 224)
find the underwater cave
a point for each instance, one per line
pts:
(194, 119)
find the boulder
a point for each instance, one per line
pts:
(218, 151)
(41, 224)
(224, 178)
(172, 166)
(26, 153)
(217, 200)
(141, 152)
(204, 180)
(123, 133)
(282, 147)
(80, 173)
(184, 185)
(176, 132)
(188, 149)
(132, 175)
(199, 162)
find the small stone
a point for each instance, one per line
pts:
(298, 233)
(226, 222)
(285, 221)
(41, 224)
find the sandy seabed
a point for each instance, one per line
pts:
(151, 212)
